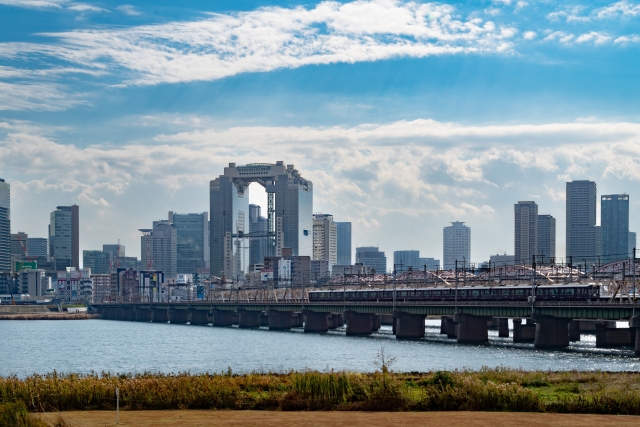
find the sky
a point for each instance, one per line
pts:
(405, 115)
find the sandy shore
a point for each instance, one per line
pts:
(337, 419)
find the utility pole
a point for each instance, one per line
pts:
(634, 282)
(533, 286)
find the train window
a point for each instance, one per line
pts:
(321, 294)
(553, 292)
(436, 292)
(519, 291)
(568, 291)
(463, 293)
(540, 291)
(475, 293)
(372, 294)
(494, 292)
(506, 292)
(403, 294)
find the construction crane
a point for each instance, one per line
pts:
(24, 248)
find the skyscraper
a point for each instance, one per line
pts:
(5, 227)
(372, 258)
(64, 237)
(19, 248)
(526, 232)
(614, 220)
(257, 228)
(97, 261)
(325, 239)
(582, 235)
(546, 239)
(456, 245)
(405, 260)
(38, 247)
(343, 230)
(159, 249)
(193, 241)
(289, 215)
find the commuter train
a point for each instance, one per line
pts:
(465, 293)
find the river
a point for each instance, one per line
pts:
(82, 346)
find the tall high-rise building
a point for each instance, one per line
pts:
(632, 244)
(325, 239)
(193, 241)
(406, 260)
(456, 245)
(159, 248)
(64, 237)
(546, 239)
(258, 229)
(372, 259)
(614, 220)
(38, 247)
(343, 230)
(526, 232)
(289, 217)
(98, 261)
(19, 245)
(582, 235)
(5, 227)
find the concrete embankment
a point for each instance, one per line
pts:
(41, 312)
(23, 309)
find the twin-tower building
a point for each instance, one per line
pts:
(289, 215)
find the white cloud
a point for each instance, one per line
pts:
(127, 9)
(35, 97)
(619, 9)
(273, 38)
(35, 4)
(521, 5)
(81, 7)
(624, 40)
(529, 35)
(560, 36)
(593, 37)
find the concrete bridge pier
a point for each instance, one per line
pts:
(133, 314)
(178, 317)
(249, 319)
(199, 317)
(122, 313)
(472, 329)
(297, 320)
(333, 320)
(523, 333)
(634, 323)
(358, 323)
(451, 328)
(409, 326)
(280, 320)
(443, 324)
(160, 315)
(574, 331)
(264, 319)
(223, 317)
(105, 312)
(607, 337)
(144, 315)
(503, 327)
(375, 323)
(315, 321)
(551, 332)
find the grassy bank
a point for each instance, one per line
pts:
(487, 390)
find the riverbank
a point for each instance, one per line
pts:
(321, 419)
(487, 390)
(50, 316)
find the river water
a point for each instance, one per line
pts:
(82, 346)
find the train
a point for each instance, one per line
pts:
(577, 292)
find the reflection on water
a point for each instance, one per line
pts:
(29, 347)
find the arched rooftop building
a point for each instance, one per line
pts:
(289, 214)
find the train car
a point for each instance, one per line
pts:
(577, 292)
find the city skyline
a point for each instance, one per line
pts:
(454, 119)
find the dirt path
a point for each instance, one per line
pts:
(338, 419)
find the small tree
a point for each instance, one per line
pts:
(384, 362)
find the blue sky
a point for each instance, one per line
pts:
(405, 115)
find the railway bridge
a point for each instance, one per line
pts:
(549, 324)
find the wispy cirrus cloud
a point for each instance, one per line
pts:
(273, 38)
(620, 9)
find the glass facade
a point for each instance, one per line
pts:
(343, 230)
(614, 220)
(403, 260)
(192, 241)
(372, 258)
(97, 261)
(5, 226)
(456, 245)
(582, 235)
(546, 239)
